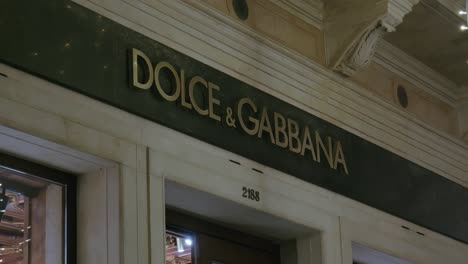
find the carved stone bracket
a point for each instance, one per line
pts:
(352, 53)
(360, 55)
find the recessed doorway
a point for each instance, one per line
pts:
(203, 228)
(194, 240)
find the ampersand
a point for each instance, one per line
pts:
(230, 120)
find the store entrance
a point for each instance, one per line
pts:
(192, 240)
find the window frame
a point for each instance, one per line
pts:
(67, 181)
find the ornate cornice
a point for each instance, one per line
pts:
(397, 10)
(359, 55)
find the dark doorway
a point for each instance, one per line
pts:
(192, 240)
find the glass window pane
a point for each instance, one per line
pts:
(31, 220)
(178, 248)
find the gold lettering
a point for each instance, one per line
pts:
(159, 67)
(293, 132)
(213, 101)
(240, 107)
(280, 130)
(286, 132)
(327, 151)
(307, 143)
(149, 70)
(183, 96)
(265, 126)
(193, 82)
(340, 158)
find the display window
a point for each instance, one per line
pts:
(178, 248)
(37, 207)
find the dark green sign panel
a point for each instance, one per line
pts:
(83, 51)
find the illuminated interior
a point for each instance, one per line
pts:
(29, 207)
(178, 248)
(14, 228)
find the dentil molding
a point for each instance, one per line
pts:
(397, 10)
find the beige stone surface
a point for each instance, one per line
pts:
(221, 5)
(346, 21)
(280, 26)
(425, 107)
(462, 110)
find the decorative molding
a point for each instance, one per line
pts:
(447, 9)
(452, 5)
(360, 54)
(418, 73)
(311, 11)
(397, 10)
(220, 42)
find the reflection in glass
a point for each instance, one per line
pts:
(178, 248)
(31, 219)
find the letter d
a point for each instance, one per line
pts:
(148, 72)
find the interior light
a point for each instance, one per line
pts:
(180, 246)
(463, 28)
(462, 12)
(188, 242)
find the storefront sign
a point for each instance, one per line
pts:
(83, 51)
(253, 120)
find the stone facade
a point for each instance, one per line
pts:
(125, 163)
